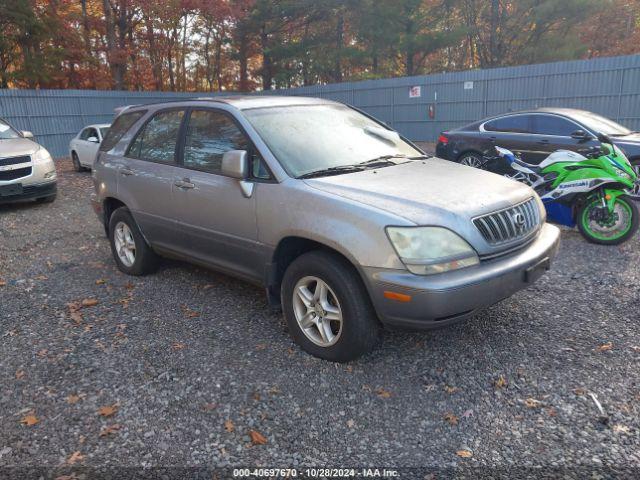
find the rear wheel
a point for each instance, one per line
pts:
(608, 228)
(76, 162)
(327, 308)
(130, 250)
(471, 159)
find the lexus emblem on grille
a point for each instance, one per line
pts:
(518, 221)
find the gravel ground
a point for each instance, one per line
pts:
(188, 363)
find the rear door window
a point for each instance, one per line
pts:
(510, 124)
(157, 140)
(121, 125)
(553, 125)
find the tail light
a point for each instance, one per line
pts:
(443, 139)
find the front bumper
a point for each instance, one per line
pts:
(446, 298)
(28, 192)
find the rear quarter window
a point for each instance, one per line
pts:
(120, 126)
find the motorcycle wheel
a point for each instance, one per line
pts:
(620, 225)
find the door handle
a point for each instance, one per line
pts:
(492, 139)
(126, 171)
(185, 184)
(543, 141)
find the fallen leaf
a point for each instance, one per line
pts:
(190, 313)
(621, 429)
(500, 382)
(451, 418)
(73, 399)
(552, 412)
(109, 430)
(42, 353)
(467, 414)
(20, 374)
(29, 420)
(257, 438)
(89, 302)
(382, 393)
(209, 406)
(450, 389)
(261, 346)
(464, 453)
(229, 426)
(76, 317)
(350, 423)
(178, 346)
(256, 396)
(532, 403)
(579, 391)
(101, 281)
(74, 457)
(3, 283)
(605, 348)
(108, 410)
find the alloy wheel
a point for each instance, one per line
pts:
(317, 311)
(125, 244)
(471, 161)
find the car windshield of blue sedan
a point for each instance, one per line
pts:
(311, 138)
(6, 132)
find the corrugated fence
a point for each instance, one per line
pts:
(419, 107)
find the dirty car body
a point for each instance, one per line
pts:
(376, 216)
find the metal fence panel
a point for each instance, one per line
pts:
(609, 86)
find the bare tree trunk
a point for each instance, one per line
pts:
(493, 47)
(243, 60)
(337, 73)
(267, 65)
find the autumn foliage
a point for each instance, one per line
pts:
(216, 45)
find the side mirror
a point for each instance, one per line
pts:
(580, 135)
(604, 138)
(235, 164)
(27, 134)
(93, 140)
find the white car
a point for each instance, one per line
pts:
(84, 146)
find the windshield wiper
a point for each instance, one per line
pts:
(332, 171)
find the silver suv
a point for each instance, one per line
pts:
(347, 225)
(27, 171)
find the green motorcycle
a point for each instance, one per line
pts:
(592, 191)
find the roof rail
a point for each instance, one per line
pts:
(119, 110)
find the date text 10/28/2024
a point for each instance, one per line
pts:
(316, 472)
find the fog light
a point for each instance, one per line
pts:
(50, 174)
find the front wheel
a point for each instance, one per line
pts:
(327, 307)
(609, 228)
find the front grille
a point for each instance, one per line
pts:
(509, 225)
(15, 160)
(15, 174)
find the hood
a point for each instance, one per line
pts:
(630, 144)
(15, 147)
(429, 192)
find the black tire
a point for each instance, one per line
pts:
(471, 159)
(146, 260)
(635, 221)
(360, 326)
(49, 199)
(76, 162)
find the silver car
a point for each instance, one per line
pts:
(27, 171)
(347, 226)
(83, 148)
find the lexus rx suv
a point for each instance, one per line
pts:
(348, 226)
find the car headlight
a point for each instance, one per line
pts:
(41, 156)
(430, 250)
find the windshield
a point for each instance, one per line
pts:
(308, 138)
(6, 132)
(599, 124)
(103, 131)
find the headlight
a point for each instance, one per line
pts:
(41, 156)
(429, 250)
